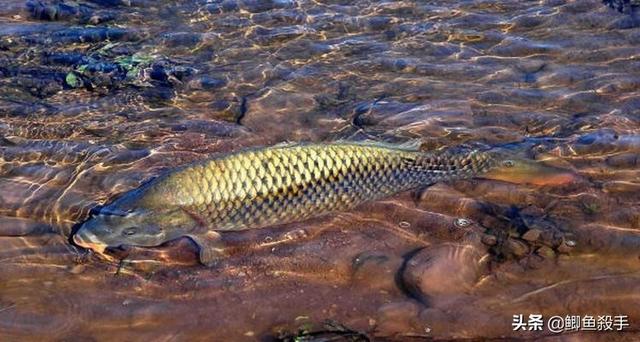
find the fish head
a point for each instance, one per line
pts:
(138, 227)
(516, 169)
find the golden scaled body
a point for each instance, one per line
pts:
(289, 183)
(281, 184)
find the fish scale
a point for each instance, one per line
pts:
(290, 183)
(281, 184)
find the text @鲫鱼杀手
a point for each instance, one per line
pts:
(570, 323)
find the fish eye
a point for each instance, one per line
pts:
(509, 163)
(130, 231)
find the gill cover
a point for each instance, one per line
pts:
(139, 227)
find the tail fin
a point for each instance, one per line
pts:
(519, 170)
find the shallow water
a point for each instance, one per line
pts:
(96, 96)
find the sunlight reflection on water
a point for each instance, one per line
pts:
(98, 96)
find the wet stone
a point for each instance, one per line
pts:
(182, 39)
(380, 23)
(257, 6)
(623, 6)
(462, 222)
(489, 240)
(223, 6)
(205, 82)
(306, 49)
(49, 10)
(66, 58)
(442, 270)
(158, 95)
(554, 3)
(269, 36)
(521, 47)
(531, 235)
(395, 318)
(527, 22)
(549, 238)
(290, 17)
(566, 246)
(40, 87)
(577, 7)
(93, 34)
(516, 248)
(545, 252)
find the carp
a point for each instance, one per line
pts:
(282, 184)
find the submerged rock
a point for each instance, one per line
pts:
(516, 248)
(94, 34)
(397, 318)
(44, 10)
(623, 5)
(532, 235)
(444, 270)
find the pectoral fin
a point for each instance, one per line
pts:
(417, 193)
(211, 247)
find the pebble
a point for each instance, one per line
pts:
(182, 39)
(548, 238)
(404, 224)
(566, 246)
(77, 269)
(546, 252)
(462, 222)
(489, 240)
(532, 235)
(516, 248)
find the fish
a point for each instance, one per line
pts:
(280, 184)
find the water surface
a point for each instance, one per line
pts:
(98, 95)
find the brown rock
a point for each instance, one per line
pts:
(489, 240)
(397, 318)
(546, 252)
(547, 237)
(566, 246)
(516, 247)
(532, 235)
(439, 271)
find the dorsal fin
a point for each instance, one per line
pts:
(287, 143)
(412, 145)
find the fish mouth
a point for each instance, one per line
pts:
(86, 239)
